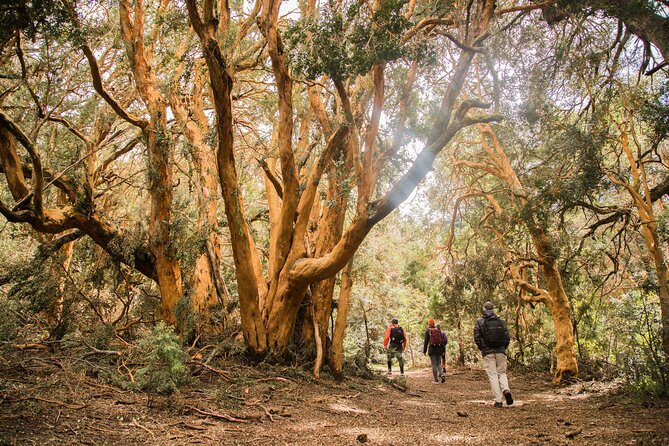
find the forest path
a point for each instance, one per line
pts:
(46, 404)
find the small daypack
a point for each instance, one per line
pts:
(494, 332)
(435, 337)
(396, 336)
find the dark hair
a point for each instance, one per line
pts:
(394, 321)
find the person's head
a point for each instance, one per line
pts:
(430, 322)
(488, 306)
(439, 326)
(394, 321)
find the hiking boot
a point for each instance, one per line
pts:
(401, 373)
(435, 382)
(498, 404)
(509, 398)
(389, 372)
(443, 378)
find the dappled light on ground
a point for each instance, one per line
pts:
(49, 406)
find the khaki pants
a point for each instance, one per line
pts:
(494, 365)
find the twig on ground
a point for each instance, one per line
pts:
(267, 412)
(30, 346)
(102, 352)
(130, 375)
(219, 372)
(398, 387)
(135, 423)
(218, 415)
(34, 398)
(273, 379)
(189, 426)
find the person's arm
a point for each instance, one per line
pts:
(477, 335)
(386, 338)
(508, 338)
(404, 343)
(426, 341)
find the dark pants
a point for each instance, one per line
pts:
(395, 353)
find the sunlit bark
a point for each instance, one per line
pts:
(640, 191)
(243, 249)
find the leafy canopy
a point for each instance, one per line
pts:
(347, 39)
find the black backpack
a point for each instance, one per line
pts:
(494, 332)
(396, 336)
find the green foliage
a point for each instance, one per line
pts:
(132, 240)
(166, 370)
(655, 112)
(481, 274)
(101, 336)
(230, 347)
(188, 241)
(9, 321)
(186, 317)
(576, 155)
(51, 17)
(347, 39)
(37, 285)
(639, 343)
(663, 224)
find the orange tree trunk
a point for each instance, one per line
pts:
(654, 246)
(158, 145)
(555, 298)
(242, 244)
(160, 189)
(337, 346)
(559, 305)
(330, 230)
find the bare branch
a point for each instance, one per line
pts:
(97, 84)
(38, 179)
(272, 178)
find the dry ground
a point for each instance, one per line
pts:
(47, 400)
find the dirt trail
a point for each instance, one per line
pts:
(65, 408)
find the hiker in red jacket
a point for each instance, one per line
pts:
(395, 342)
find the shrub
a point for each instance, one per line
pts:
(166, 369)
(8, 320)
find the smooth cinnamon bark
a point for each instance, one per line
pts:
(12, 166)
(248, 282)
(168, 269)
